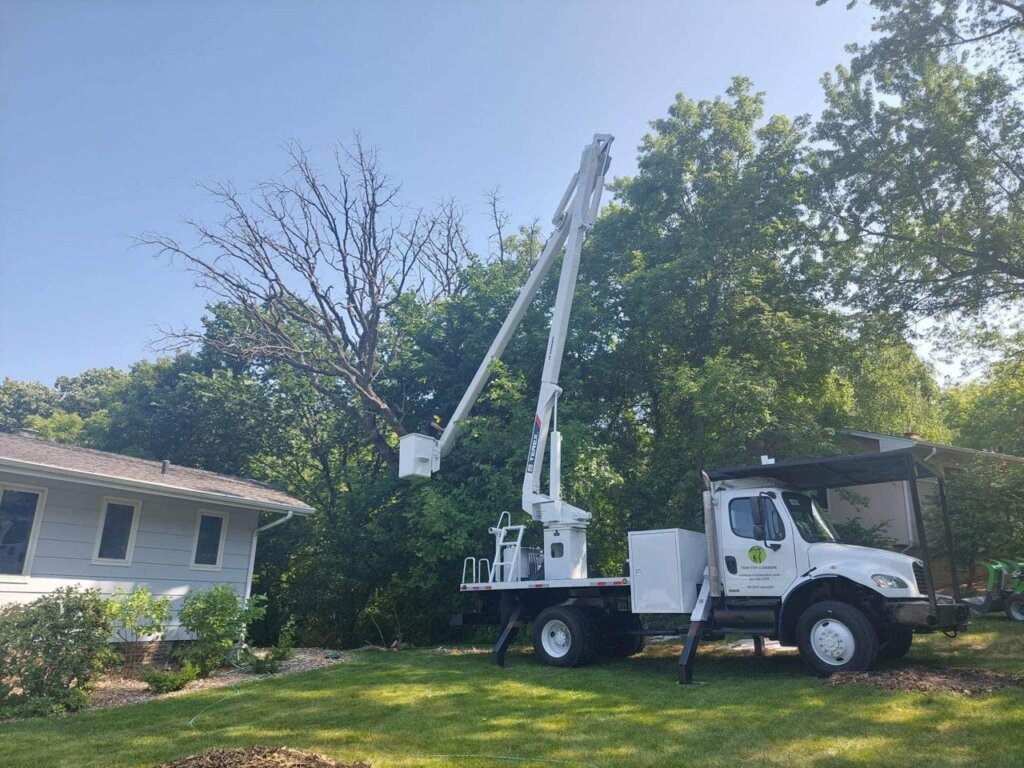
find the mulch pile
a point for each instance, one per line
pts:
(972, 682)
(259, 757)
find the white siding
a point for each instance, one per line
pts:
(163, 546)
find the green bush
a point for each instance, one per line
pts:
(51, 649)
(167, 680)
(138, 616)
(216, 618)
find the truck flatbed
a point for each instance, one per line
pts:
(489, 586)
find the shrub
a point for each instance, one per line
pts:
(216, 618)
(51, 649)
(167, 680)
(138, 616)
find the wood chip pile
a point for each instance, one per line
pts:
(972, 682)
(259, 757)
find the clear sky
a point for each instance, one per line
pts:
(111, 112)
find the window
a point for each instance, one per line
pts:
(211, 530)
(115, 539)
(20, 513)
(741, 518)
(808, 519)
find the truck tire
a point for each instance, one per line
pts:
(565, 636)
(895, 642)
(836, 637)
(621, 638)
(1015, 606)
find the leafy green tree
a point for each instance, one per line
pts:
(988, 413)
(20, 399)
(988, 32)
(59, 427)
(922, 181)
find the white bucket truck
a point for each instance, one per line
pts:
(768, 564)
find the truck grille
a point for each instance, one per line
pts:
(922, 582)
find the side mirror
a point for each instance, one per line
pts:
(759, 531)
(757, 516)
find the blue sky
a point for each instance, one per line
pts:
(111, 112)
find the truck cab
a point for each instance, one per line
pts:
(785, 573)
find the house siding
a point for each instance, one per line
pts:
(161, 557)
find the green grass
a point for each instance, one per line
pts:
(419, 708)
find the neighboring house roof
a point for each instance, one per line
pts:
(41, 458)
(898, 442)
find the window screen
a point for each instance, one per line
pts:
(208, 541)
(117, 531)
(17, 513)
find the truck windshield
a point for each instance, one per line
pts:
(807, 518)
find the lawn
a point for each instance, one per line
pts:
(421, 708)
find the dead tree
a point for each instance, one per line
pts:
(314, 271)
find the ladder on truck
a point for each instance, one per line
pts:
(508, 547)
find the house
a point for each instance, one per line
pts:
(890, 502)
(71, 515)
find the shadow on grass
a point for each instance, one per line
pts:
(398, 709)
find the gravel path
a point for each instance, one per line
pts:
(117, 690)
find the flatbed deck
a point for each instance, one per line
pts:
(488, 586)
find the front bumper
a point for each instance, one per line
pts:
(918, 614)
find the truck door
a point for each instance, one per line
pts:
(755, 567)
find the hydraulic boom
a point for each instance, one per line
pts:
(420, 455)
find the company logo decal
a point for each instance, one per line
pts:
(757, 554)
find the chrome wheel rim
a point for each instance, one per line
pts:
(556, 638)
(1017, 610)
(832, 642)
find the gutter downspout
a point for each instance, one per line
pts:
(252, 548)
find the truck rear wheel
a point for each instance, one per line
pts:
(564, 636)
(836, 637)
(895, 642)
(1015, 606)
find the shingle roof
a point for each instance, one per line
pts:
(41, 457)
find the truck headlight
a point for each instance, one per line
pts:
(886, 581)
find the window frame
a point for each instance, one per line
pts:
(136, 505)
(769, 529)
(33, 536)
(200, 514)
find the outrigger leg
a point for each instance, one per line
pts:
(701, 612)
(511, 607)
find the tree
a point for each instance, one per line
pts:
(923, 189)
(988, 413)
(314, 269)
(990, 32)
(20, 399)
(921, 168)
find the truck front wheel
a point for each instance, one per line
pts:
(564, 636)
(836, 637)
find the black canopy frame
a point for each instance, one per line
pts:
(863, 469)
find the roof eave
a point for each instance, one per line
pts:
(47, 471)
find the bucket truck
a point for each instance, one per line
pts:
(767, 564)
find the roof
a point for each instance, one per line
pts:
(832, 471)
(902, 441)
(41, 458)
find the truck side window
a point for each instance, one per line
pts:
(742, 522)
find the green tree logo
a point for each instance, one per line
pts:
(757, 554)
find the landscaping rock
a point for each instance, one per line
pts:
(971, 682)
(259, 757)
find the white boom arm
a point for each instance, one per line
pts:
(420, 455)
